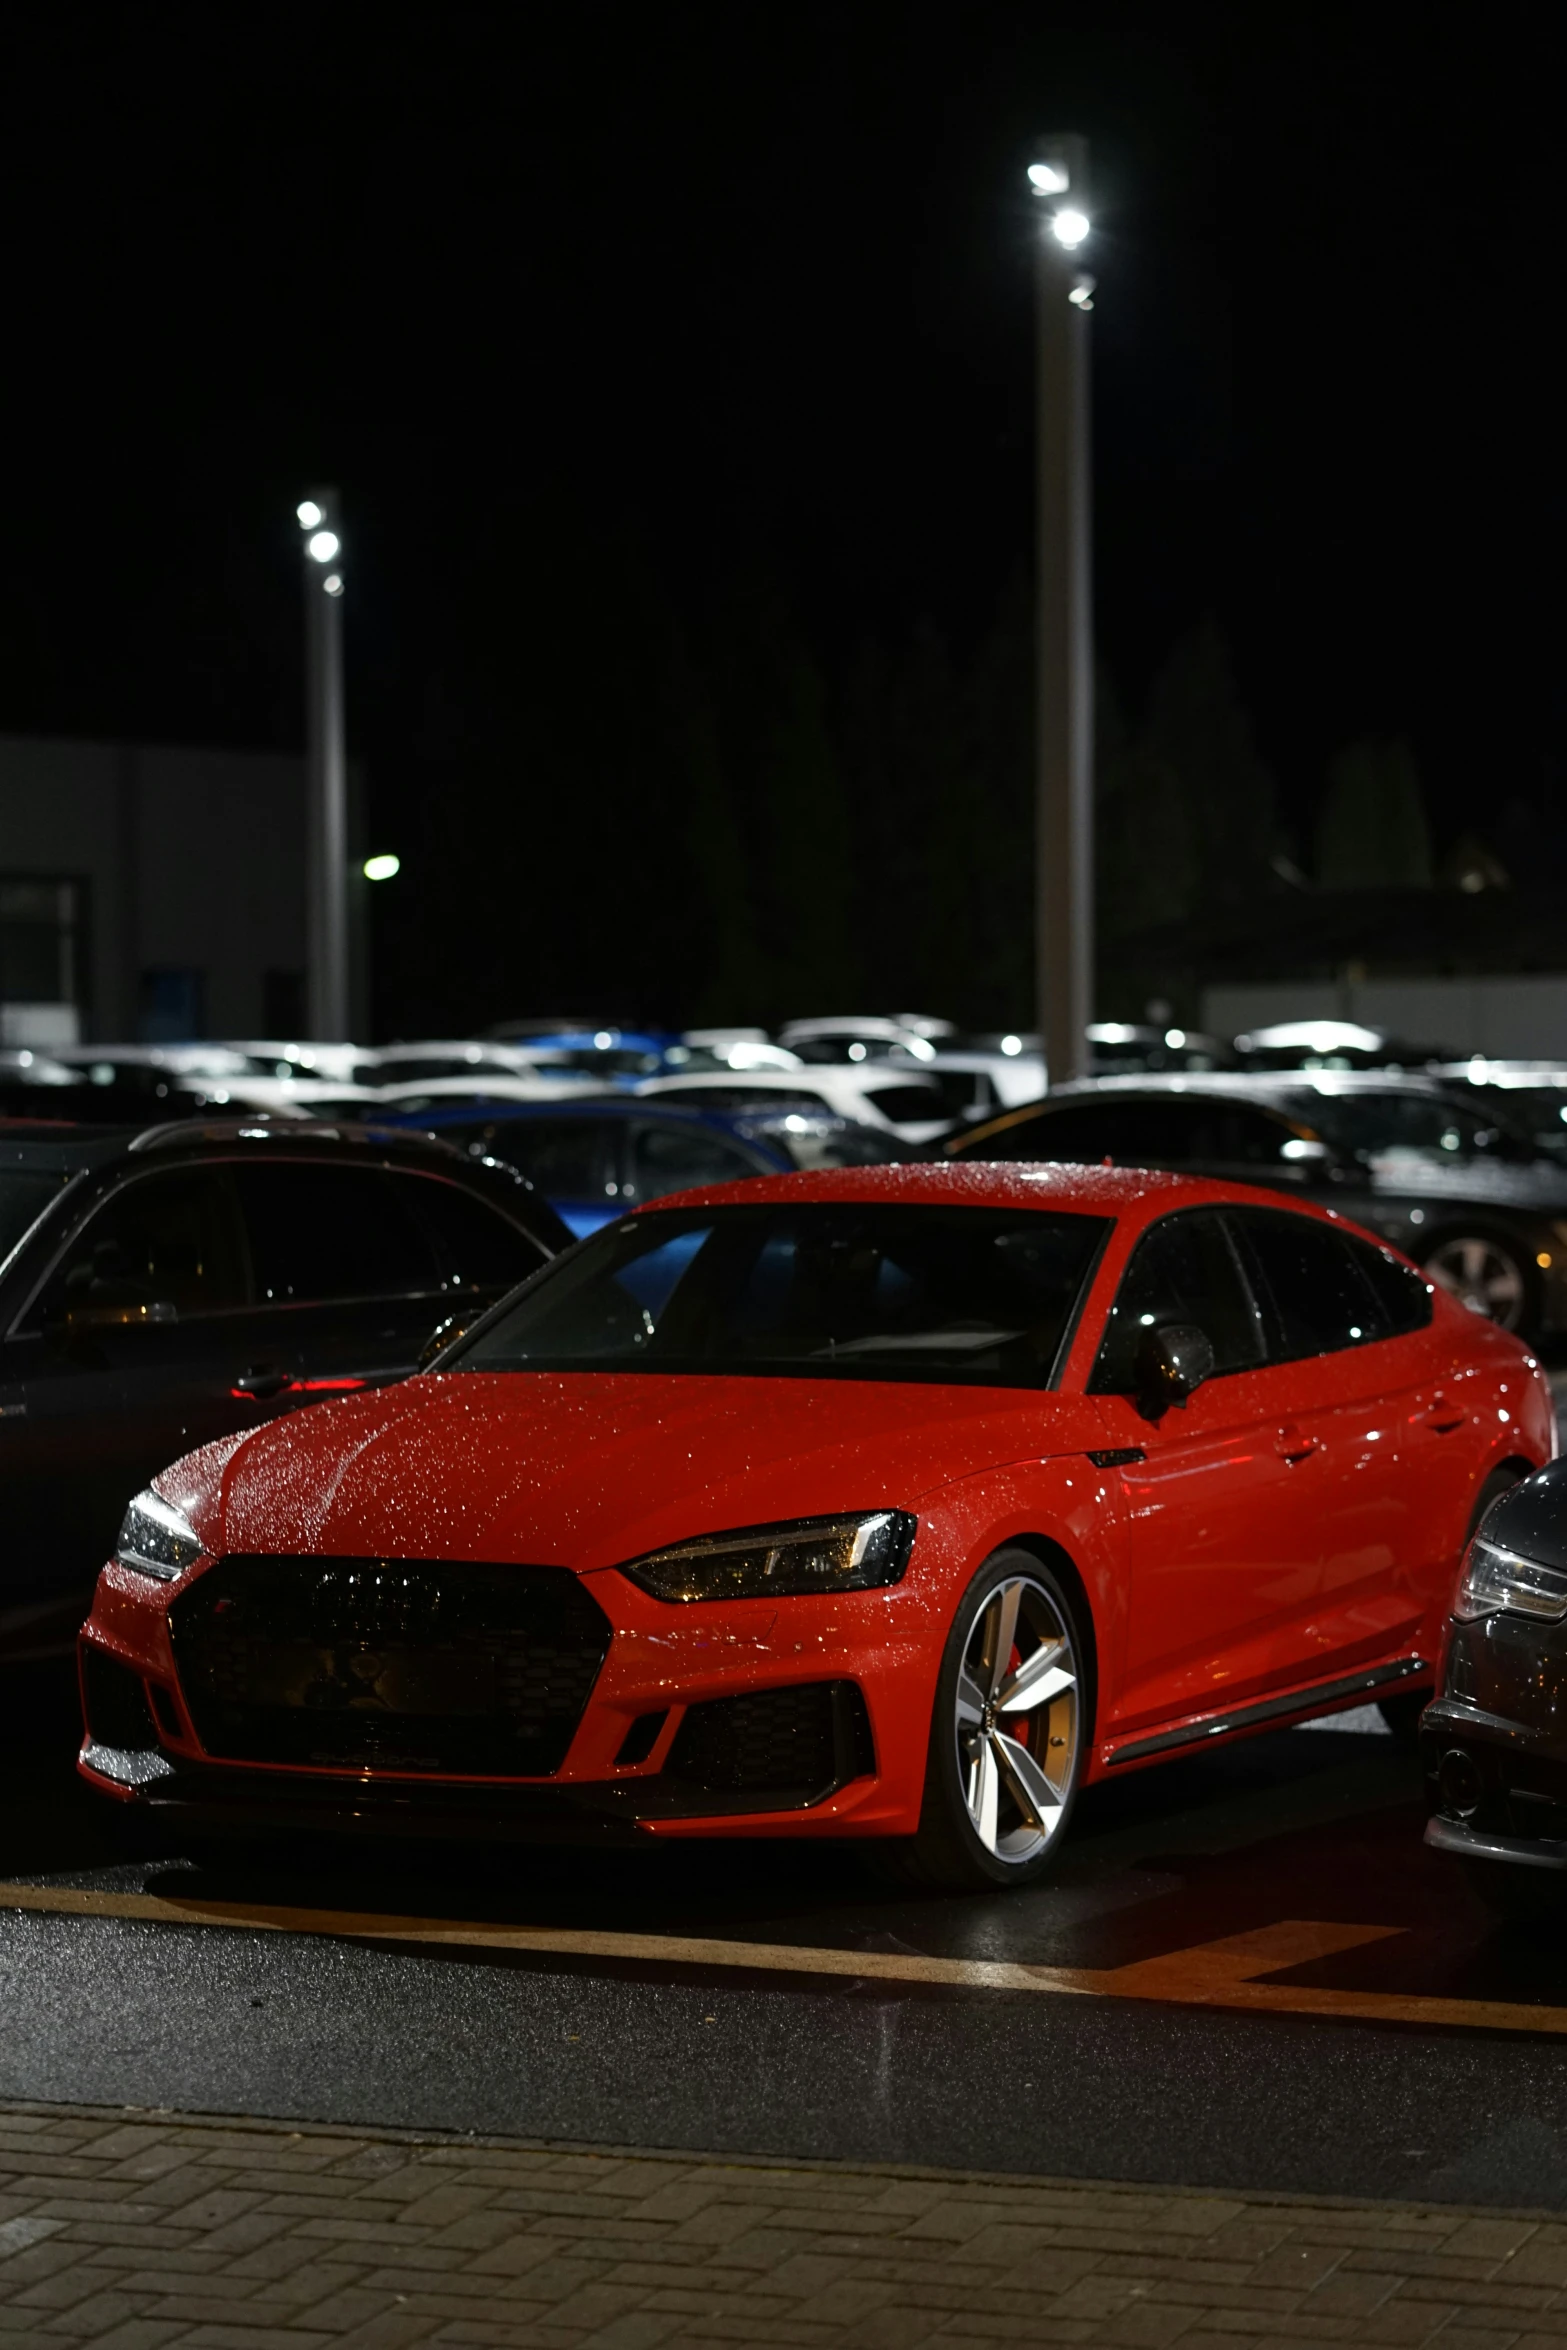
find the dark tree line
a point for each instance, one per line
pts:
(698, 820)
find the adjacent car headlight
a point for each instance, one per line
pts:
(765, 1562)
(157, 1539)
(1497, 1580)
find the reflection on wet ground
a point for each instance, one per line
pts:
(1319, 1824)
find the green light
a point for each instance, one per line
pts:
(382, 868)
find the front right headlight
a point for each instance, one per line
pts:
(157, 1539)
(1498, 1581)
(857, 1553)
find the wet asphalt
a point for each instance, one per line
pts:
(1315, 1824)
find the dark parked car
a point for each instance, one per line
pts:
(1494, 1739)
(594, 1160)
(1450, 1181)
(164, 1287)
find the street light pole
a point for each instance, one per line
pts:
(1064, 806)
(326, 773)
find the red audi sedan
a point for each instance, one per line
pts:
(894, 1502)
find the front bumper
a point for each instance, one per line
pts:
(1494, 1743)
(757, 1718)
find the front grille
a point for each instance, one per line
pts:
(388, 1664)
(813, 1737)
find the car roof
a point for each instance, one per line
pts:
(798, 1080)
(59, 1147)
(982, 1183)
(1259, 1086)
(478, 1110)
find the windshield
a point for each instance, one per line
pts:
(968, 1296)
(23, 1199)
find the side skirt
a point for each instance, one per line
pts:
(1274, 1709)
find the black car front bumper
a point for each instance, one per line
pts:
(1494, 1743)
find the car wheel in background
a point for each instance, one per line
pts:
(1487, 1273)
(1009, 1733)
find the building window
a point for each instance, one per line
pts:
(42, 940)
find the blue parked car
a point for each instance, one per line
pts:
(614, 1056)
(594, 1159)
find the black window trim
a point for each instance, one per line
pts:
(1376, 1335)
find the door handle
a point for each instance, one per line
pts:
(259, 1382)
(1293, 1444)
(1442, 1416)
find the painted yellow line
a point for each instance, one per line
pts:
(1228, 1973)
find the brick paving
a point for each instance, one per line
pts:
(135, 2230)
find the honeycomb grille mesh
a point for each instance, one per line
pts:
(396, 1664)
(812, 1737)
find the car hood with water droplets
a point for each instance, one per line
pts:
(587, 1469)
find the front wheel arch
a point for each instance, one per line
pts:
(956, 1847)
(1060, 1562)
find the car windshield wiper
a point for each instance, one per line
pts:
(919, 1342)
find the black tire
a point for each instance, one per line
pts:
(1489, 1270)
(973, 1772)
(1402, 1712)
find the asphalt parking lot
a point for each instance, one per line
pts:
(1249, 1974)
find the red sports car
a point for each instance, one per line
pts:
(892, 1502)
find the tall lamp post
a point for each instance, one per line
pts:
(326, 772)
(1064, 807)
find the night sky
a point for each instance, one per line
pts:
(747, 291)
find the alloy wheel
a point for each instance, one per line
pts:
(1482, 1276)
(1017, 1721)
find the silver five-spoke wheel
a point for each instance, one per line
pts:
(1017, 1720)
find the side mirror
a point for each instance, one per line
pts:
(446, 1333)
(1173, 1361)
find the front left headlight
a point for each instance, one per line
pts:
(1498, 1581)
(157, 1539)
(769, 1562)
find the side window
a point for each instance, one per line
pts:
(1404, 1298)
(478, 1247)
(1320, 1300)
(568, 1158)
(678, 1158)
(169, 1240)
(1234, 1134)
(1183, 1270)
(319, 1232)
(906, 1104)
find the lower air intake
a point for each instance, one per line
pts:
(407, 1665)
(115, 1703)
(814, 1737)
